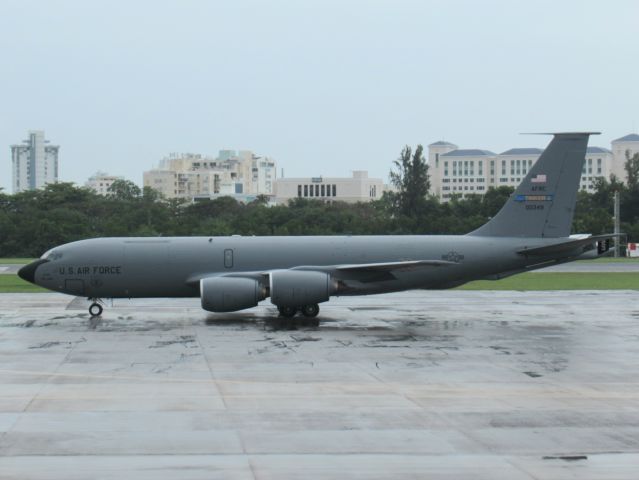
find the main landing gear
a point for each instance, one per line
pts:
(309, 311)
(95, 309)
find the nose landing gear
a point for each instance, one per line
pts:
(95, 309)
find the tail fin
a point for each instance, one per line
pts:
(544, 202)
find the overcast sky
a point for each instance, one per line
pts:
(324, 87)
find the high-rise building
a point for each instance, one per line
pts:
(35, 162)
(242, 175)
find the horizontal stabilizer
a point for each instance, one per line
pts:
(563, 247)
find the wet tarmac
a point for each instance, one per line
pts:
(9, 269)
(454, 384)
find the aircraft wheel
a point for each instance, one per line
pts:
(95, 309)
(287, 312)
(310, 310)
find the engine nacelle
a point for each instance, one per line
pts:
(228, 294)
(294, 288)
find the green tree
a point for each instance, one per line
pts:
(124, 190)
(409, 176)
(632, 170)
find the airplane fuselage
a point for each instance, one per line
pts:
(173, 266)
(298, 273)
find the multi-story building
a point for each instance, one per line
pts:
(192, 176)
(455, 171)
(100, 182)
(358, 188)
(34, 162)
(628, 144)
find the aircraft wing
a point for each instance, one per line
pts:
(365, 272)
(567, 246)
(378, 267)
(375, 272)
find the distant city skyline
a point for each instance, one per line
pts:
(322, 87)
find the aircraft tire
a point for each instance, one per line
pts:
(95, 309)
(311, 310)
(287, 312)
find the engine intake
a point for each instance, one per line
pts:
(228, 294)
(293, 288)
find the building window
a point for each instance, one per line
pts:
(503, 167)
(306, 190)
(299, 190)
(323, 191)
(317, 191)
(335, 190)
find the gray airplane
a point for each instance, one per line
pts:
(531, 231)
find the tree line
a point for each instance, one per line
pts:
(34, 221)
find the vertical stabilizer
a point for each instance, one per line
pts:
(543, 204)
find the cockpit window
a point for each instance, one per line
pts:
(51, 255)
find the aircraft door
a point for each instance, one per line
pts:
(228, 258)
(74, 286)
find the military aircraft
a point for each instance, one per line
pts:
(531, 231)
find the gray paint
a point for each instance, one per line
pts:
(357, 265)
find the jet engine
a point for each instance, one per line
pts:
(294, 288)
(228, 294)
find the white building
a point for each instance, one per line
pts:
(34, 162)
(626, 144)
(455, 171)
(100, 182)
(358, 188)
(192, 176)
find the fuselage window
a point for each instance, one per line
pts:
(228, 258)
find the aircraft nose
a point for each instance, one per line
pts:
(28, 271)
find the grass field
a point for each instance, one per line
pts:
(14, 284)
(15, 261)
(525, 281)
(560, 281)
